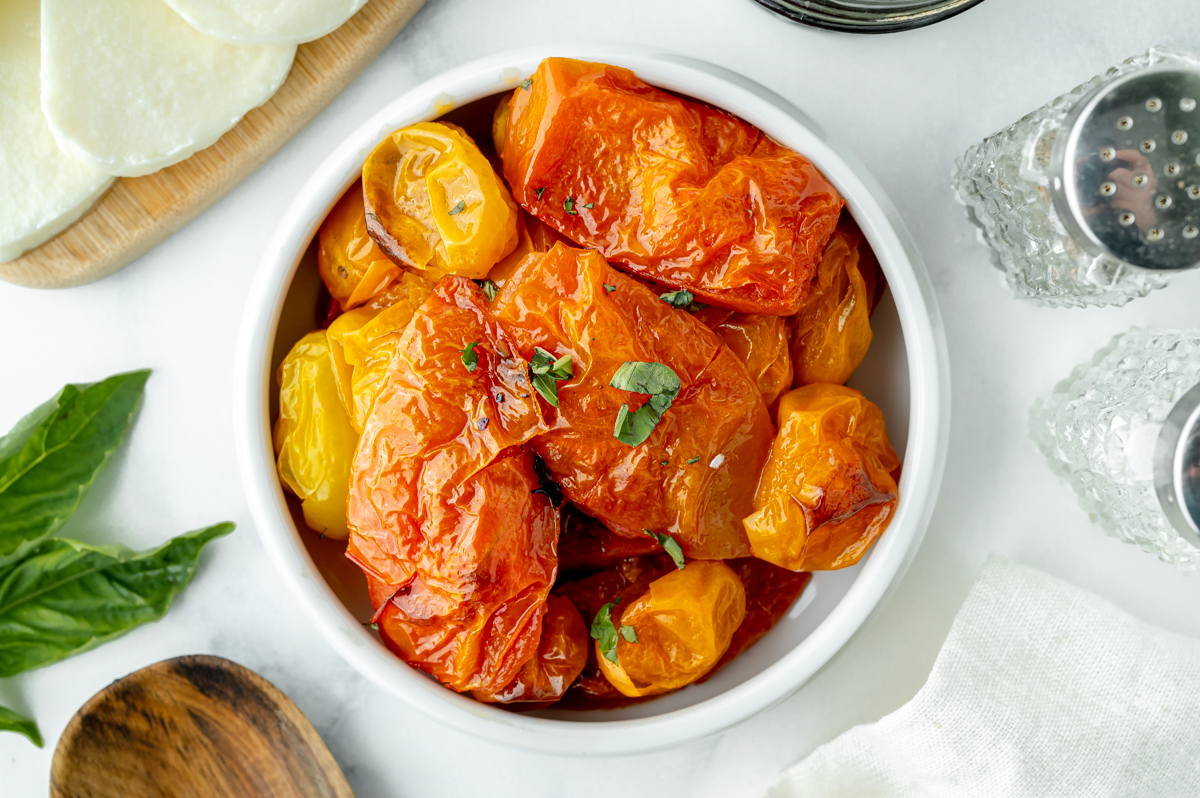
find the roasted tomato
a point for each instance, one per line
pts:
(534, 237)
(760, 342)
(353, 268)
(445, 507)
(673, 190)
(314, 439)
(362, 341)
(770, 593)
(827, 491)
(561, 655)
(621, 582)
(586, 544)
(681, 626)
(693, 476)
(831, 333)
(434, 203)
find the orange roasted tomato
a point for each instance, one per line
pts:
(435, 204)
(445, 506)
(673, 190)
(560, 657)
(831, 333)
(692, 476)
(353, 268)
(681, 627)
(621, 582)
(827, 491)
(760, 342)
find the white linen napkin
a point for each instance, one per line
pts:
(1041, 689)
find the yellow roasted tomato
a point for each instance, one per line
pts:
(314, 439)
(675, 632)
(352, 267)
(361, 344)
(434, 202)
(828, 489)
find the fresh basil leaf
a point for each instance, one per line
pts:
(15, 722)
(605, 633)
(693, 460)
(525, 84)
(51, 457)
(670, 545)
(539, 192)
(608, 289)
(569, 206)
(490, 289)
(678, 299)
(66, 597)
(590, 205)
(545, 372)
(470, 358)
(457, 209)
(661, 382)
(629, 633)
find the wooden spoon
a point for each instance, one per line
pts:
(193, 727)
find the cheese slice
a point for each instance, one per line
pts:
(42, 189)
(266, 21)
(129, 87)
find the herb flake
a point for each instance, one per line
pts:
(660, 382)
(470, 358)
(546, 372)
(670, 545)
(693, 461)
(604, 632)
(539, 192)
(608, 289)
(569, 206)
(590, 205)
(629, 633)
(457, 209)
(490, 289)
(525, 84)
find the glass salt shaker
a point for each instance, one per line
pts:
(1124, 432)
(1094, 199)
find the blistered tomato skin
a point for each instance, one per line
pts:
(832, 332)
(434, 203)
(352, 267)
(561, 655)
(670, 189)
(314, 440)
(827, 491)
(684, 624)
(760, 342)
(694, 476)
(442, 505)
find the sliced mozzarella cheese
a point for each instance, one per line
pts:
(42, 189)
(266, 21)
(129, 87)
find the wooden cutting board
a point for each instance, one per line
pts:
(139, 212)
(193, 727)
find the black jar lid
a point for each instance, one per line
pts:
(868, 16)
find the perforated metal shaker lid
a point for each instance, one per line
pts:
(1177, 466)
(1125, 169)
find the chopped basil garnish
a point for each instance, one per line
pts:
(489, 289)
(459, 208)
(590, 205)
(608, 289)
(546, 372)
(539, 192)
(694, 460)
(470, 358)
(671, 545)
(682, 299)
(604, 631)
(525, 84)
(569, 206)
(655, 379)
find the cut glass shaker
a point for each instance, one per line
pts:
(1124, 432)
(1094, 199)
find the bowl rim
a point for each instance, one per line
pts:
(928, 375)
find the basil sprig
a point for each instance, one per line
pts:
(51, 457)
(604, 632)
(16, 722)
(61, 597)
(661, 382)
(546, 372)
(670, 545)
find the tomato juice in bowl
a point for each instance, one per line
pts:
(904, 373)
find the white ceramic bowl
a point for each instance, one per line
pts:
(905, 373)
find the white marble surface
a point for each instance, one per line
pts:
(906, 103)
